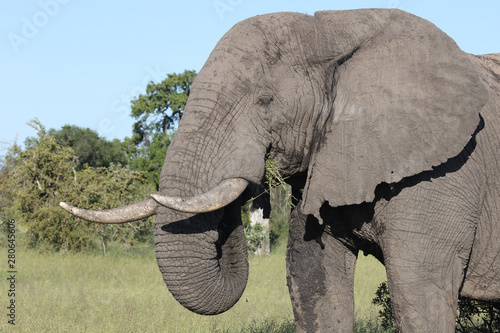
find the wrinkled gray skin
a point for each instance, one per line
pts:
(389, 133)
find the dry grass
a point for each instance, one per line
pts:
(125, 293)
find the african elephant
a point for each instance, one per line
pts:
(389, 136)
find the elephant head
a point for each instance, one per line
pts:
(351, 99)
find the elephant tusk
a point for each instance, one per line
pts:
(225, 193)
(136, 211)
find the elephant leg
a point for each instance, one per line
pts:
(320, 277)
(426, 248)
(423, 299)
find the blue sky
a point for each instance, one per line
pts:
(81, 62)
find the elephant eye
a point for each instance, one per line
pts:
(265, 100)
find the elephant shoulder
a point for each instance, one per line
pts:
(492, 63)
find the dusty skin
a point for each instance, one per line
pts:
(389, 135)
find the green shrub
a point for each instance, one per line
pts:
(371, 325)
(473, 316)
(478, 316)
(44, 173)
(383, 299)
(255, 236)
(271, 325)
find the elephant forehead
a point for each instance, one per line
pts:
(238, 69)
(278, 26)
(270, 37)
(228, 75)
(251, 57)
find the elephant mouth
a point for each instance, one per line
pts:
(222, 195)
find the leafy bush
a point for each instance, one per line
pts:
(103, 188)
(255, 235)
(369, 325)
(383, 299)
(473, 316)
(271, 325)
(44, 174)
(478, 316)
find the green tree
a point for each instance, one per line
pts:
(89, 147)
(6, 164)
(150, 158)
(161, 107)
(6, 211)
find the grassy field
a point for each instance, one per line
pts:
(124, 292)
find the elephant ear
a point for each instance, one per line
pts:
(405, 100)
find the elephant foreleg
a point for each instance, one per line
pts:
(320, 276)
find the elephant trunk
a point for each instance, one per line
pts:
(203, 259)
(203, 256)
